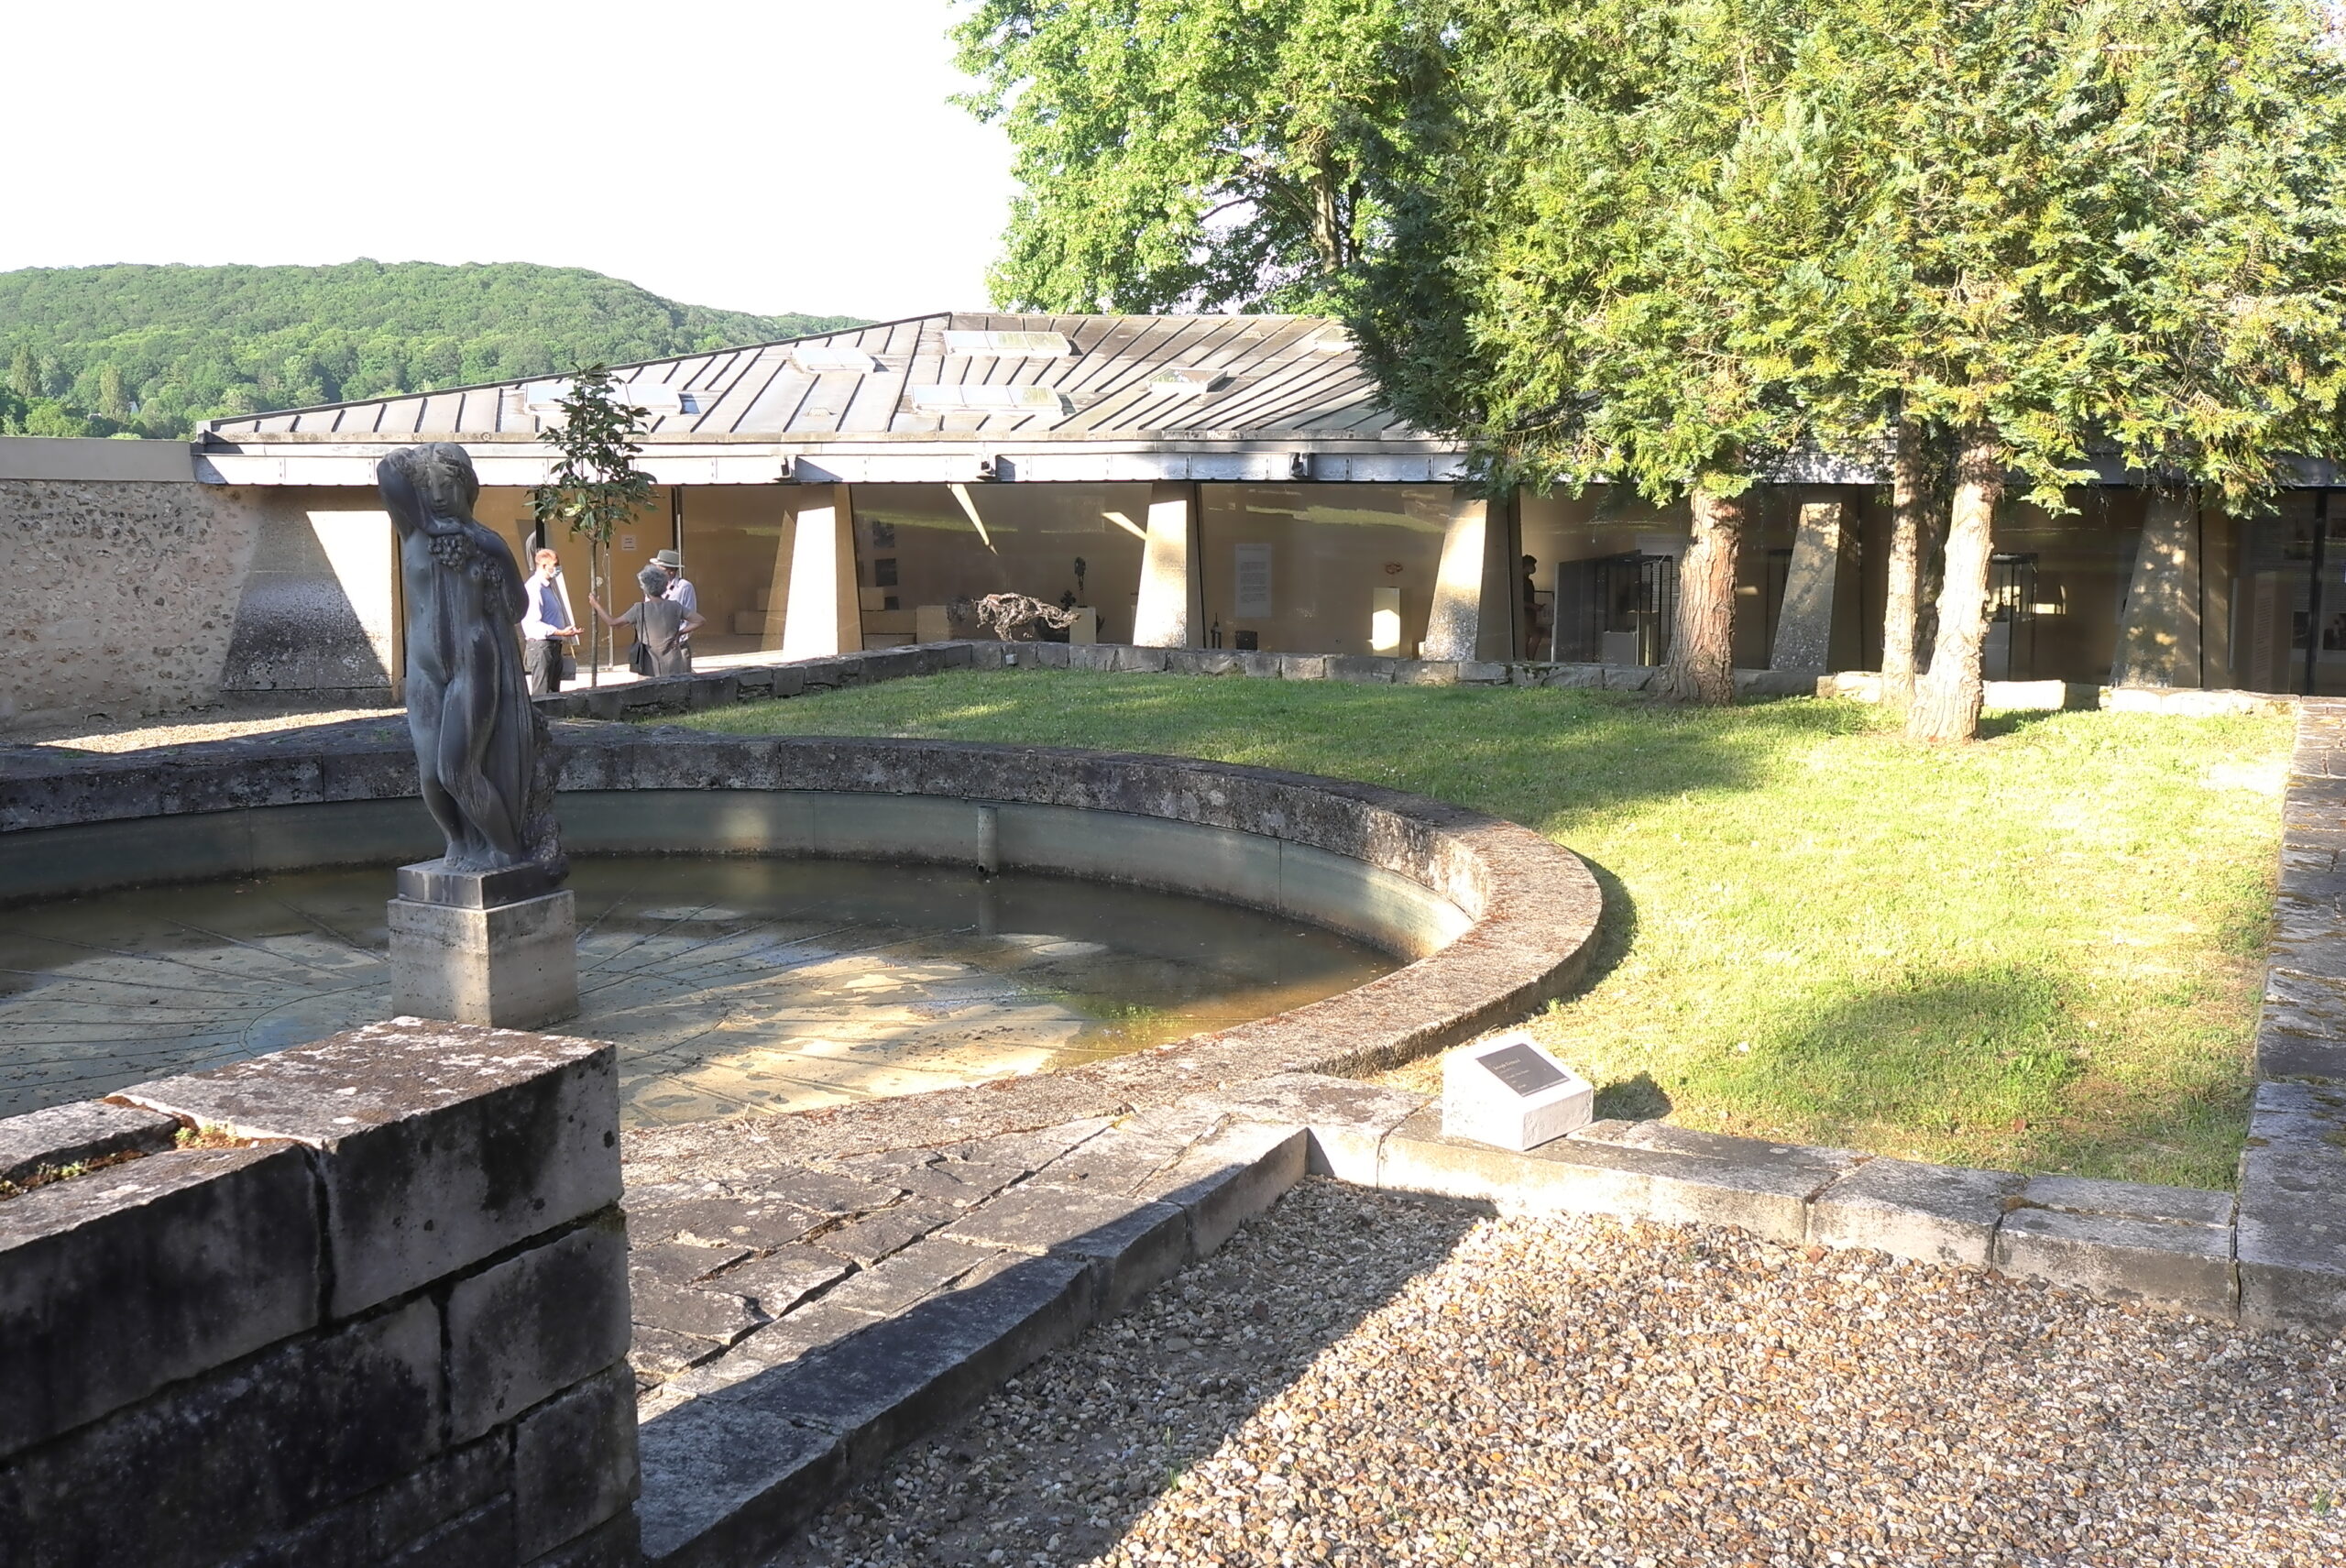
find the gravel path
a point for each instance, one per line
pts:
(1361, 1379)
(97, 733)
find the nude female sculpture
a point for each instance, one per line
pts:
(480, 747)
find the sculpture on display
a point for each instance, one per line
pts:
(1013, 618)
(481, 749)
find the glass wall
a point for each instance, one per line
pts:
(920, 547)
(2287, 593)
(1321, 568)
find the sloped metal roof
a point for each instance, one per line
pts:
(1269, 377)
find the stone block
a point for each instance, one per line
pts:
(1347, 1120)
(411, 1507)
(2291, 1241)
(1046, 655)
(1230, 1178)
(1097, 657)
(789, 680)
(722, 690)
(712, 1220)
(1138, 1243)
(1629, 677)
(606, 703)
(2188, 1267)
(438, 1144)
(1372, 668)
(617, 1542)
(76, 1134)
(909, 1373)
(1425, 672)
(1932, 1213)
(1137, 660)
(534, 1323)
(1299, 667)
(1268, 666)
(1482, 672)
(200, 1472)
(574, 1463)
(718, 1316)
(2128, 1201)
(874, 1236)
(920, 1270)
(780, 1281)
(1574, 678)
(116, 1283)
(723, 1484)
(753, 680)
(513, 967)
(662, 1353)
(481, 1539)
(1795, 682)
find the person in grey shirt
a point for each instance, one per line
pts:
(680, 593)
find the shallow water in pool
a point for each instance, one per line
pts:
(730, 985)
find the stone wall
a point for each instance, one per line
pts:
(118, 584)
(376, 1313)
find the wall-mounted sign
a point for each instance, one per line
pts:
(627, 542)
(1253, 577)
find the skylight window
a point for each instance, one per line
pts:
(817, 358)
(941, 398)
(1005, 344)
(544, 398)
(1183, 381)
(1329, 340)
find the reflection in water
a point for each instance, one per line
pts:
(731, 984)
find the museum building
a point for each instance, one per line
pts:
(1233, 481)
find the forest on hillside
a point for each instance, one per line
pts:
(152, 350)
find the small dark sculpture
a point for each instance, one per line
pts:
(481, 749)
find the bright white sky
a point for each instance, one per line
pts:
(794, 155)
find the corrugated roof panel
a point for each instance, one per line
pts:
(1277, 380)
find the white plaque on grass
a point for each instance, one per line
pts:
(1510, 1092)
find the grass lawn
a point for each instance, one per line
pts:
(2044, 952)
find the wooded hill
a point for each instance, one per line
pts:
(151, 350)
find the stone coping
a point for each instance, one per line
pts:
(1534, 907)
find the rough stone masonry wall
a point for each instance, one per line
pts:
(117, 595)
(377, 1315)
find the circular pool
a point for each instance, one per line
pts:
(731, 984)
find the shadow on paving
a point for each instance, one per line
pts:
(1064, 1457)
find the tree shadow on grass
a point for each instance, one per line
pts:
(1989, 1064)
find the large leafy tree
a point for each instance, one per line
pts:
(1632, 251)
(2120, 238)
(1193, 154)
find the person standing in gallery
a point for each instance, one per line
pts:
(680, 594)
(660, 625)
(548, 628)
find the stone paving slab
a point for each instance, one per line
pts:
(1932, 1213)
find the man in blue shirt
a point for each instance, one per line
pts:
(547, 626)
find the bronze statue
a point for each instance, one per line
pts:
(481, 749)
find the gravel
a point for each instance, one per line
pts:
(1364, 1379)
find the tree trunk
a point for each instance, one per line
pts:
(1909, 532)
(1701, 667)
(1947, 700)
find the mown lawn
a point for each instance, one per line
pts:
(2042, 952)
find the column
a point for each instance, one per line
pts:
(2158, 637)
(1171, 612)
(1804, 622)
(824, 615)
(1473, 593)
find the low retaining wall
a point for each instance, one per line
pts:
(377, 1313)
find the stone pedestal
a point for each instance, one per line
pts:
(498, 948)
(1509, 1091)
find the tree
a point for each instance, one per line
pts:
(1203, 156)
(114, 397)
(2119, 240)
(24, 372)
(594, 485)
(1628, 256)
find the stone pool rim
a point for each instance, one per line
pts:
(1532, 906)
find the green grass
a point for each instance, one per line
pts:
(2042, 952)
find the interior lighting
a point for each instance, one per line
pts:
(1384, 621)
(970, 505)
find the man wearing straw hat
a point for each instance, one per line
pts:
(680, 593)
